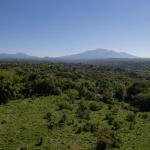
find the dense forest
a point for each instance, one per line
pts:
(47, 105)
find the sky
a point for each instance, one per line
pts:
(60, 27)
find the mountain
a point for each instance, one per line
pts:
(87, 55)
(20, 56)
(98, 54)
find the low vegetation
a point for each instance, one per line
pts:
(73, 106)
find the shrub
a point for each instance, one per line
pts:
(109, 117)
(64, 105)
(10, 86)
(72, 94)
(116, 125)
(121, 92)
(48, 116)
(131, 125)
(136, 88)
(142, 101)
(79, 130)
(144, 116)
(62, 120)
(94, 106)
(106, 139)
(50, 122)
(45, 87)
(39, 142)
(83, 112)
(130, 117)
(90, 127)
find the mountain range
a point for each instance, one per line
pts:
(87, 55)
(98, 54)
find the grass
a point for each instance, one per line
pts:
(23, 125)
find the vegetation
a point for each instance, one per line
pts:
(73, 106)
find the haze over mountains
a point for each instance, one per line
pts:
(87, 55)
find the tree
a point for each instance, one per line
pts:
(142, 101)
(10, 86)
(83, 112)
(72, 94)
(45, 87)
(121, 92)
(139, 87)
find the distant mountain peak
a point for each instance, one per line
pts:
(99, 54)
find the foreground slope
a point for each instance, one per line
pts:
(47, 123)
(98, 54)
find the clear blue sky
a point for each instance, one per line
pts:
(59, 27)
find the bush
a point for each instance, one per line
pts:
(116, 125)
(144, 116)
(83, 112)
(79, 130)
(10, 86)
(50, 122)
(136, 88)
(48, 116)
(90, 127)
(45, 87)
(64, 105)
(39, 142)
(106, 139)
(62, 120)
(109, 117)
(142, 101)
(131, 125)
(94, 106)
(130, 117)
(121, 93)
(72, 94)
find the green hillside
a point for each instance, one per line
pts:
(47, 123)
(48, 106)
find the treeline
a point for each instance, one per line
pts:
(23, 80)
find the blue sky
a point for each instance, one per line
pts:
(60, 27)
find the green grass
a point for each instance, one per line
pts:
(23, 126)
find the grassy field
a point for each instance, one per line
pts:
(25, 125)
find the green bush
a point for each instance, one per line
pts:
(142, 101)
(110, 118)
(131, 117)
(45, 87)
(72, 94)
(90, 127)
(83, 111)
(62, 120)
(10, 86)
(94, 106)
(50, 121)
(106, 140)
(64, 104)
(116, 125)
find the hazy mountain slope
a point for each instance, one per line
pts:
(98, 54)
(87, 55)
(16, 56)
